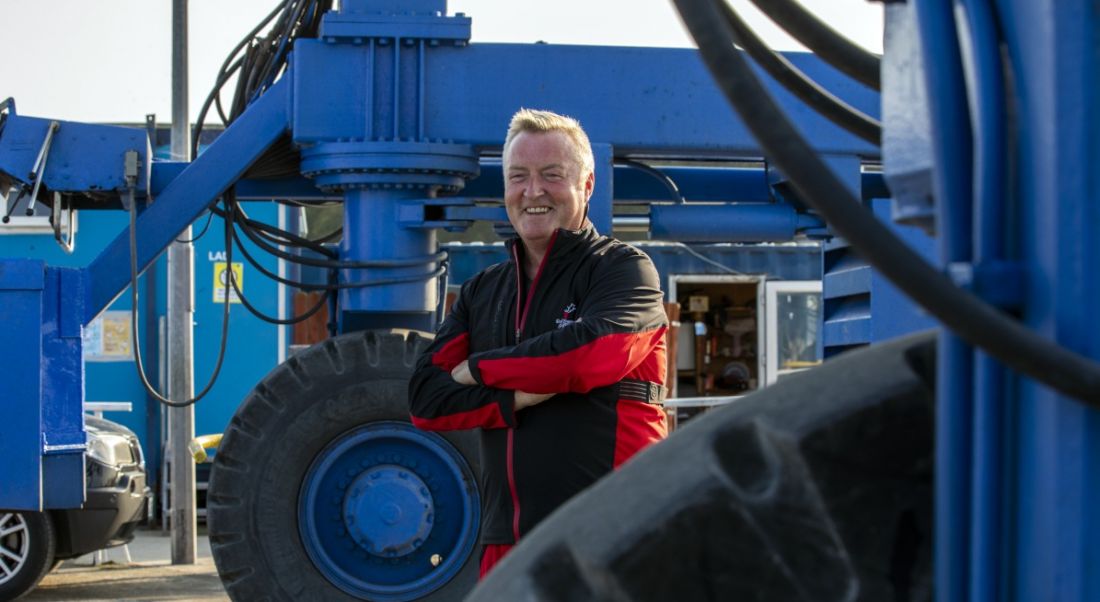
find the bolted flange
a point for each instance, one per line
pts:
(436, 166)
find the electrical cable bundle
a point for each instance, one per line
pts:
(268, 239)
(259, 60)
(796, 82)
(969, 317)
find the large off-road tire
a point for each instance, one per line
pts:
(818, 488)
(27, 544)
(322, 490)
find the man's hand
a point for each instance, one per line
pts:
(526, 400)
(461, 374)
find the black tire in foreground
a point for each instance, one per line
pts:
(302, 453)
(818, 488)
(27, 544)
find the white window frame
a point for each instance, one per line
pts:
(771, 291)
(759, 281)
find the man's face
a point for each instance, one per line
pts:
(544, 187)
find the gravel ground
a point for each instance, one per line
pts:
(149, 576)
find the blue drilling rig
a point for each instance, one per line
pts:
(973, 126)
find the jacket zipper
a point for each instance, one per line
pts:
(521, 321)
(512, 486)
(521, 316)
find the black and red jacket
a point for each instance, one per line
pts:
(591, 328)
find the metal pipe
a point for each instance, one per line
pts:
(181, 373)
(40, 165)
(951, 149)
(632, 223)
(746, 222)
(985, 82)
(694, 183)
(366, 210)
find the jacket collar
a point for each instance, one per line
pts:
(565, 242)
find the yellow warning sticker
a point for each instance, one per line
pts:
(221, 281)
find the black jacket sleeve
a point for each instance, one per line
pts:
(621, 322)
(436, 401)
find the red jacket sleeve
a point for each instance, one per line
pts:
(436, 401)
(621, 325)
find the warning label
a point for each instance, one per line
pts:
(221, 281)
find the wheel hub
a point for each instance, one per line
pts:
(14, 544)
(388, 510)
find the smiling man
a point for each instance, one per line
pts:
(557, 355)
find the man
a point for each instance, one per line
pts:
(558, 355)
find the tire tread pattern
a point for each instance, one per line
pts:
(299, 407)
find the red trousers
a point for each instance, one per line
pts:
(491, 554)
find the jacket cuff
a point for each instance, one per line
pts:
(506, 399)
(473, 364)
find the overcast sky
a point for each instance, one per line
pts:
(109, 60)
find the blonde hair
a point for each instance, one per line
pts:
(532, 120)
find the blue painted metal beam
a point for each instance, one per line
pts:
(705, 184)
(187, 196)
(749, 222)
(62, 393)
(674, 110)
(291, 187)
(83, 157)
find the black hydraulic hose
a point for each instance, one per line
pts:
(149, 388)
(228, 67)
(272, 233)
(285, 238)
(969, 317)
(806, 89)
(278, 56)
(196, 130)
(344, 265)
(202, 231)
(305, 286)
(824, 41)
(670, 184)
(346, 285)
(277, 236)
(281, 321)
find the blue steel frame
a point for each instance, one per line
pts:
(1011, 161)
(363, 172)
(420, 110)
(1017, 464)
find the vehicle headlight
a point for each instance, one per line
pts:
(139, 455)
(112, 450)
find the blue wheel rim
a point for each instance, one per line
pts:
(389, 512)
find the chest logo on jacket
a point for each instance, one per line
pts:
(567, 316)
